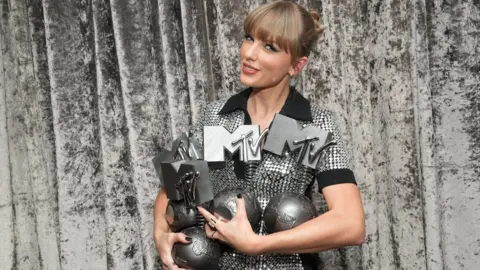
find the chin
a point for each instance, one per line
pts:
(249, 82)
(258, 82)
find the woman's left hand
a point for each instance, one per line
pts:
(236, 232)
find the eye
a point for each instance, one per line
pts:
(248, 37)
(271, 47)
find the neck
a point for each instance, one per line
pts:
(268, 101)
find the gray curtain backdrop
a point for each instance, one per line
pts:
(89, 89)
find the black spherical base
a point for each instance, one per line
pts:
(179, 216)
(224, 204)
(201, 253)
(286, 211)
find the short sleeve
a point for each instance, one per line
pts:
(334, 164)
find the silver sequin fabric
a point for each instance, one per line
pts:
(269, 177)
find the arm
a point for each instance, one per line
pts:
(342, 225)
(159, 222)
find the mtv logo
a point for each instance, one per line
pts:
(218, 142)
(188, 180)
(286, 135)
(186, 147)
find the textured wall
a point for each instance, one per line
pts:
(89, 89)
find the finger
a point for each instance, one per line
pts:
(183, 238)
(210, 219)
(218, 217)
(208, 229)
(213, 235)
(241, 211)
(207, 215)
(216, 235)
(168, 265)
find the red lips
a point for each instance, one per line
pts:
(247, 69)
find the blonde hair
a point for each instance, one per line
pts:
(287, 24)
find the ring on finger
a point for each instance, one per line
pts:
(212, 225)
(213, 233)
(213, 220)
(167, 266)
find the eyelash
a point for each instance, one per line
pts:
(248, 37)
(269, 47)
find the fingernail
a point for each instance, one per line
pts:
(188, 238)
(239, 195)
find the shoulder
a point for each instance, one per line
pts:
(324, 118)
(214, 107)
(211, 112)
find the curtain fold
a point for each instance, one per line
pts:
(91, 89)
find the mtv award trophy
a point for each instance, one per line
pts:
(288, 210)
(218, 143)
(186, 180)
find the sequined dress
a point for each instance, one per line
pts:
(268, 177)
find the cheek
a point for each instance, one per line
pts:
(276, 65)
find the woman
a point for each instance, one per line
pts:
(278, 39)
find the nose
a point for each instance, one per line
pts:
(251, 51)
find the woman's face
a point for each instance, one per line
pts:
(263, 64)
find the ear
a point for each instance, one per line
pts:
(298, 66)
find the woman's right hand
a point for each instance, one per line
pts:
(164, 242)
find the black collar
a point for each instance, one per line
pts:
(296, 106)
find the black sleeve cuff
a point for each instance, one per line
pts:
(333, 177)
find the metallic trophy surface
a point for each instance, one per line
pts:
(286, 211)
(187, 183)
(224, 205)
(195, 188)
(286, 134)
(219, 142)
(187, 180)
(201, 253)
(184, 147)
(179, 216)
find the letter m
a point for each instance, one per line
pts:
(286, 135)
(219, 142)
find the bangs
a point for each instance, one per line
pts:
(275, 25)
